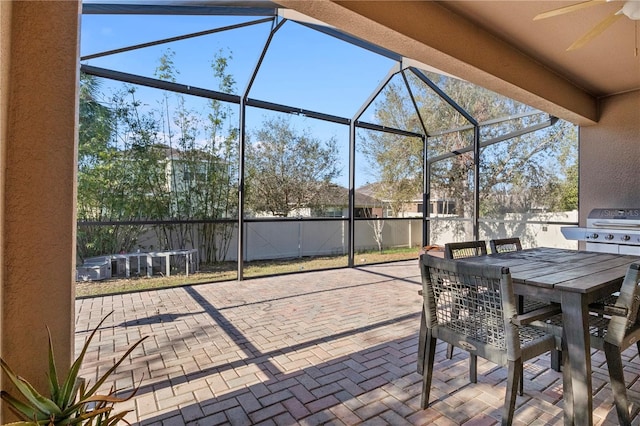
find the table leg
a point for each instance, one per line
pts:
(576, 327)
(556, 360)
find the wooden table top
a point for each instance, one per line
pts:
(562, 269)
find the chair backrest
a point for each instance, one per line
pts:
(624, 315)
(471, 307)
(465, 249)
(505, 245)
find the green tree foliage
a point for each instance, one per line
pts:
(220, 200)
(104, 190)
(395, 161)
(531, 173)
(521, 174)
(164, 162)
(180, 130)
(288, 170)
(568, 198)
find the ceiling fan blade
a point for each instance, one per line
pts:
(567, 9)
(595, 31)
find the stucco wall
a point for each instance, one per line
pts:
(39, 75)
(610, 156)
(5, 46)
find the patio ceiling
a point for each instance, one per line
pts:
(607, 65)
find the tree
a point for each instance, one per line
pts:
(219, 198)
(104, 191)
(518, 175)
(569, 192)
(201, 159)
(395, 161)
(180, 130)
(168, 162)
(287, 170)
(377, 226)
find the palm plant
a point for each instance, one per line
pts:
(72, 401)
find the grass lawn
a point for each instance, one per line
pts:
(228, 271)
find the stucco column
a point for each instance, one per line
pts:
(38, 131)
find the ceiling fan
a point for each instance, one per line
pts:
(630, 9)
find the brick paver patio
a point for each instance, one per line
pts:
(327, 347)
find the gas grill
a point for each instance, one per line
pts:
(609, 231)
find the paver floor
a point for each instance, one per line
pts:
(327, 347)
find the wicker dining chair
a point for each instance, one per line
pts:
(525, 304)
(504, 245)
(484, 323)
(453, 251)
(465, 249)
(602, 305)
(461, 250)
(613, 332)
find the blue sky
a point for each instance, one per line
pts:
(303, 68)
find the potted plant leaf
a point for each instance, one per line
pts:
(71, 401)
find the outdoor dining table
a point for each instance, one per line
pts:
(574, 279)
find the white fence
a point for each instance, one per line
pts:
(291, 239)
(533, 229)
(318, 238)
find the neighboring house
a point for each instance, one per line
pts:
(183, 174)
(190, 179)
(333, 201)
(439, 206)
(413, 207)
(336, 200)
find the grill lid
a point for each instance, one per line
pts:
(614, 217)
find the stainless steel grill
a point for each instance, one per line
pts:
(609, 231)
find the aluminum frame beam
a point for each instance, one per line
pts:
(172, 39)
(228, 8)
